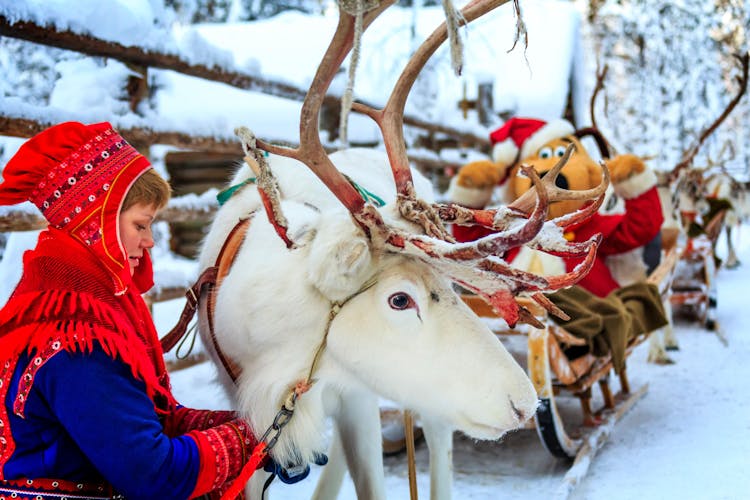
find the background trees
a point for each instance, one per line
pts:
(671, 72)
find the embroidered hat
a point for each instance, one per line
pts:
(78, 176)
(520, 137)
(64, 169)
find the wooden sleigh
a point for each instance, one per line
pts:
(694, 287)
(555, 375)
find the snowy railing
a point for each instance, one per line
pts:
(145, 58)
(191, 207)
(25, 120)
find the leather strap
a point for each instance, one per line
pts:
(223, 263)
(207, 277)
(210, 279)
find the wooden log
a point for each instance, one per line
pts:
(485, 106)
(15, 126)
(26, 127)
(162, 294)
(21, 220)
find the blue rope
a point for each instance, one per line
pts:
(368, 195)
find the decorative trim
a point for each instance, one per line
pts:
(552, 130)
(636, 185)
(27, 379)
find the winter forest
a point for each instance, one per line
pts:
(664, 80)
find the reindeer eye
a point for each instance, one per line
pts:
(560, 151)
(545, 152)
(400, 301)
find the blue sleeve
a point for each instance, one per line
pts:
(111, 418)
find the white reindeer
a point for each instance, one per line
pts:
(721, 185)
(352, 302)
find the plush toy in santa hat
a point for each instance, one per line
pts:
(541, 144)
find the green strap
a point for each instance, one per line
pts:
(227, 193)
(224, 195)
(367, 195)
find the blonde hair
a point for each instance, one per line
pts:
(149, 189)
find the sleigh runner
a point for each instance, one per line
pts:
(694, 289)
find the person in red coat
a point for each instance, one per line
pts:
(87, 409)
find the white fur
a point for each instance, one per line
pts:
(636, 185)
(469, 197)
(437, 359)
(505, 152)
(552, 130)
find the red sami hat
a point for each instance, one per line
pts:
(518, 138)
(65, 169)
(78, 176)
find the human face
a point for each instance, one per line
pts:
(135, 232)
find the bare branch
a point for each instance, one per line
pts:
(742, 61)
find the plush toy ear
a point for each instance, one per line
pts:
(339, 259)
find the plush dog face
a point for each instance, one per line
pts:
(581, 172)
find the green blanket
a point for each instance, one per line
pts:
(609, 323)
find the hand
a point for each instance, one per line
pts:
(480, 175)
(622, 167)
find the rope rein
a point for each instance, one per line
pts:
(452, 19)
(356, 8)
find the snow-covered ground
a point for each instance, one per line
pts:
(687, 438)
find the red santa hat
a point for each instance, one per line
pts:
(520, 137)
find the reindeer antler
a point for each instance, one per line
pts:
(390, 120)
(476, 266)
(311, 151)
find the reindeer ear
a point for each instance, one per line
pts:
(339, 260)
